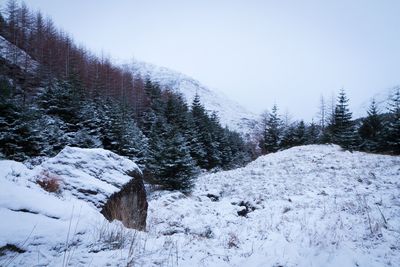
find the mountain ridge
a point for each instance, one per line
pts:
(231, 113)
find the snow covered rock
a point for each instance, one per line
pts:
(92, 175)
(47, 209)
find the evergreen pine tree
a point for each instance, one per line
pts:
(342, 128)
(19, 139)
(300, 134)
(91, 124)
(201, 138)
(288, 136)
(370, 130)
(177, 168)
(272, 133)
(312, 134)
(122, 136)
(393, 125)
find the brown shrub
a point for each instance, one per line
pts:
(49, 182)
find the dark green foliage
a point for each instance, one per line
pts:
(288, 137)
(176, 170)
(342, 128)
(312, 134)
(19, 138)
(392, 126)
(272, 132)
(300, 137)
(370, 130)
(182, 140)
(119, 132)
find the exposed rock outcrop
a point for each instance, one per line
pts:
(112, 183)
(129, 205)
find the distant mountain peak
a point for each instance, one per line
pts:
(231, 114)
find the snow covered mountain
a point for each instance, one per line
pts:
(13, 55)
(307, 206)
(231, 114)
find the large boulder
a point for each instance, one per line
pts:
(113, 184)
(129, 205)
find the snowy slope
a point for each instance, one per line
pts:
(13, 55)
(313, 206)
(307, 206)
(230, 113)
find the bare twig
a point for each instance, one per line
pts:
(383, 217)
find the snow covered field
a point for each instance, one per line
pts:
(306, 206)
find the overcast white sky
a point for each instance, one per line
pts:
(256, 52)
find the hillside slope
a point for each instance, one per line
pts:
(306, 206)
(231, 114)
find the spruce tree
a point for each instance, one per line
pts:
(177, 168)
(272, 133)
(288, 136)
(201, 138)
(91, 124)
(393, 125)
(370, 130)
(312, 134)
(19, 138)
(300, 134)
(342, 128)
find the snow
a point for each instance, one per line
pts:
(98, 170)
(14, 55)
(311, 209)
(43, 221)
(307, 206)
(231, 114)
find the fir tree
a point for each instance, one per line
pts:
(370, 130)
(300, 134)
(272, 133)
(312, 134)
(201, 138)
(176, 169)
(288, 136)
(342, 128)
(19, 138)
(393, 125)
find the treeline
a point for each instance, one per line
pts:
(60, 58)
(78, 99)
(377, 132)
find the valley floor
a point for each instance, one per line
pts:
(306, 206)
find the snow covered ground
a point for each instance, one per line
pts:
(306, 206)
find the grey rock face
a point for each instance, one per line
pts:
(129, 205)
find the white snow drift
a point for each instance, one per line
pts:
(306, 206)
